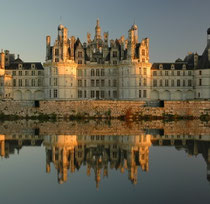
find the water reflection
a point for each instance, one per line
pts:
(101, 147)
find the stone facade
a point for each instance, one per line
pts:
(101, 69)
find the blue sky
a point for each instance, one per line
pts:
(174, 27)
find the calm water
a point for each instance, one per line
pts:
(100, 162)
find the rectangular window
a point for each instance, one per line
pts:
(166, 73)
(79, 93)
(161, 82)
(200, 82)
(189, 73)
(114, 83)
(97, 72)
(20, 73)
(55, 82)
(183, 82)
(109, 83)
(139, 93)
(39, 73)
(154, 82)
(92, 94)
(85, 94)
(14, 73)
(14, 82)
(33, 83)
(55, 93)
(97, 83)
(92, 83)
(102, 94)
(145, 71)
(172, 82)
(79, 61)
(178, 73)
(39, 82)
(145, 82)
(102, 83)
(80, 54)
(166, 82)
(178, 82)
(79, 83)
(79, 72)
(20, 82)
(189, 82)
(102, 72)
(56, 52)
(26, 82)
(154, 73)
(145, 93)
(115, 94)
(33, 73)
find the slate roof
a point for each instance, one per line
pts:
(167, 66)
(26, 66)
(203, 62)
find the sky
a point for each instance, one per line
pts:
(175, 27)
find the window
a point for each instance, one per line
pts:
(97, 83)
(55, 93)
(200, 72)
(79, 61)
(20, 82)
(14, 82)
(200, 82)
(33, 73)
(154, 73)
(33, 83)
(189, 73)
(145, 82)
(56, 59)
(166, 73)
(102, 83)
(140, 82)
(154, 82)
(79, 94)
(85, 94)
(97, 72)
(39, 73)
(109, 82)
(92, 94)
(92, 83)
(56, 52)
(143, 52)
(102, 72)
(172, 82)
(183, 82)
(139, 93)
(114, 83)
(92, 72)
(145, 93)
(178, 73)
(145, 71)
(79, 72)
(55, 82)
(85, 83)
(39, 82)
(161, 82)
(172, 73)
(102, 94)
(14, 73)
(115, 62)
(183, 73)
(166, 82)
(114, 53)
(189, 82)
(178, 82)
(20, 73)
(115, 94)
(26, 73)
(79, 83)
(80, 54)
(26, 82)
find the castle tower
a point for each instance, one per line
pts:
(97, 30)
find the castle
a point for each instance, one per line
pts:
(100, 69)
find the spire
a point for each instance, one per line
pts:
(97, 30)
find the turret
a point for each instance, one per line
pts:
(2, 57)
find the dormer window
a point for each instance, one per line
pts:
(184, 66)
(20, 66)
(172, 66)
(160, 66)
(80, 54)
(32, 66)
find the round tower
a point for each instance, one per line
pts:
(208, 43)
(2, 58)
(98, 30)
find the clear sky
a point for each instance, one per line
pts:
(175, 27)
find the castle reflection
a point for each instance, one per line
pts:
(101, 147)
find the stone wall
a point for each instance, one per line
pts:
(65, 109)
